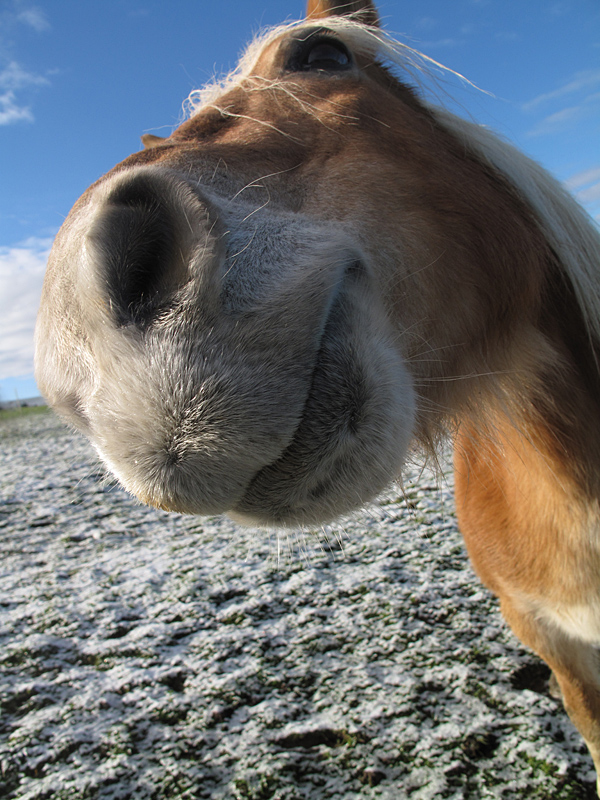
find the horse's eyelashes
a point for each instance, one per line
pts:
(320, 53)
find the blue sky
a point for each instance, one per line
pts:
(80, 81)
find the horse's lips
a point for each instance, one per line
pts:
(307, 484)
(278, 463)
(252, 490)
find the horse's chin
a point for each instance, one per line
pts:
(321, 478)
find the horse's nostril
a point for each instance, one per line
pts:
(141, 251)
(137, 191)
(135, 242)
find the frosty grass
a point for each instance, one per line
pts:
(148, 655)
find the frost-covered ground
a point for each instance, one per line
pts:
(144, 655)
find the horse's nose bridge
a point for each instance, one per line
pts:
(149, 235)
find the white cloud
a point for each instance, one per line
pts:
(20, 12)
(583, 178)
(12, 79)
(22, 270)
(11, 111)
(582, 80)
(558, 120)
(15, 79)
(584, 103)
(35, 18)
(586, 185)
(590, 195)
(13, 76)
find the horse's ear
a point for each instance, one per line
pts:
(362, 10)
(149, 140)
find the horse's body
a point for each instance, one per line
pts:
(260, 313)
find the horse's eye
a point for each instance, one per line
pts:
(320, 53)
(327, 55)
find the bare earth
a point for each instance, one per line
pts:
(151, 656)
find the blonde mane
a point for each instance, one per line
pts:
(570, 231)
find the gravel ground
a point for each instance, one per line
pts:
(147, 655)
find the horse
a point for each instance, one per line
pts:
(263, 313)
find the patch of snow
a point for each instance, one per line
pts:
(153, 656)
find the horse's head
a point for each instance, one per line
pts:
(255, 314)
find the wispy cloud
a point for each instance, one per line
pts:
(586, 185)
(11, 111)
(13, 76)
(34, 17)
(21, 273)
(566, 118)
(21, 12)
(582, 92)
(586, 79)
(15, 80)
(558, 120)
(590, 195)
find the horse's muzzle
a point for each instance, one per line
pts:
(220, 373)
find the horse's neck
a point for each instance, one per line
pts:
(567, 401)
(536, 384)
(553, 395)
